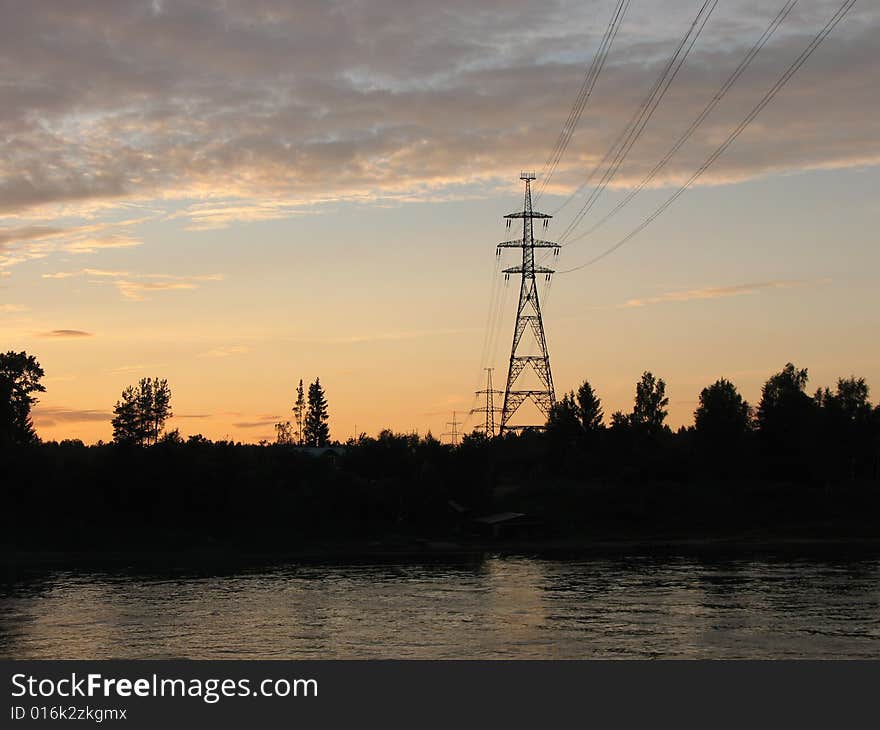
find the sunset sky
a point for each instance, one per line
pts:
(237, 195)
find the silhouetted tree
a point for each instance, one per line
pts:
(156, 404)
(171, 438)
(875, 428)
(722, 415)
(590, 408)
(127, 426)
(649, 411)
(317, 430)
(785, 419)
(722, 422)
(564, 421)
(284, 433)
(576, 416)
(783, 400)
(299, 412)
(20, 376)
(850, 400)
(846, 425)
(141, 412)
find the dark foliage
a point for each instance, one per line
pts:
(806, 466)
(139, 415)
(316, 431)
(20, 376)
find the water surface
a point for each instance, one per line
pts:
(493, 608)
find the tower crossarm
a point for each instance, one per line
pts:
(528, 214)
(535, 269)
(536, 243)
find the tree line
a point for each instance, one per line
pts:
(142, 410)
(797, 463)
(789, 433)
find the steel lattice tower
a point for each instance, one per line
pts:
(453, 434)
(490, 409)
(528, 317)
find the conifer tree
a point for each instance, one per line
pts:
(299, 412)
(140, 414)
(317, 430)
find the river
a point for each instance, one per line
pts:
(633, 607)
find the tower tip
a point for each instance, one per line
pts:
(527, 176)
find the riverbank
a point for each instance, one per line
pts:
(440, 551)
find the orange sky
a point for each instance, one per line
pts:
(282, 193)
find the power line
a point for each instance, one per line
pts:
(767, 98)
(701, 117)
(586, 90)
(642, 116)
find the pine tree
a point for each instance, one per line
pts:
(299, 412)
(589, 408)
(127, 428)
(141, 412)
(317, 431)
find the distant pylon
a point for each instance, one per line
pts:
(490, 408)
(453, 434)
(528, 316)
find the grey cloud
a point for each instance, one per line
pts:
(63, 334)
(50, 415)
(26, 233)
(392, 98)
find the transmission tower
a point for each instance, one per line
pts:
(528, 318)
(453, 434)
(490, 409)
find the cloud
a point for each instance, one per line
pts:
(714, 292)
(85, 272)
(219, 214)
(138, 290)
(26, 233)
(255, 424)
(136, 287)
(50, 415)
(62, 334)
(11, 308)
(225, 351)
(235, 104)
(25, 243)
(90, 245)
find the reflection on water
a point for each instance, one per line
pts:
(497, 608)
